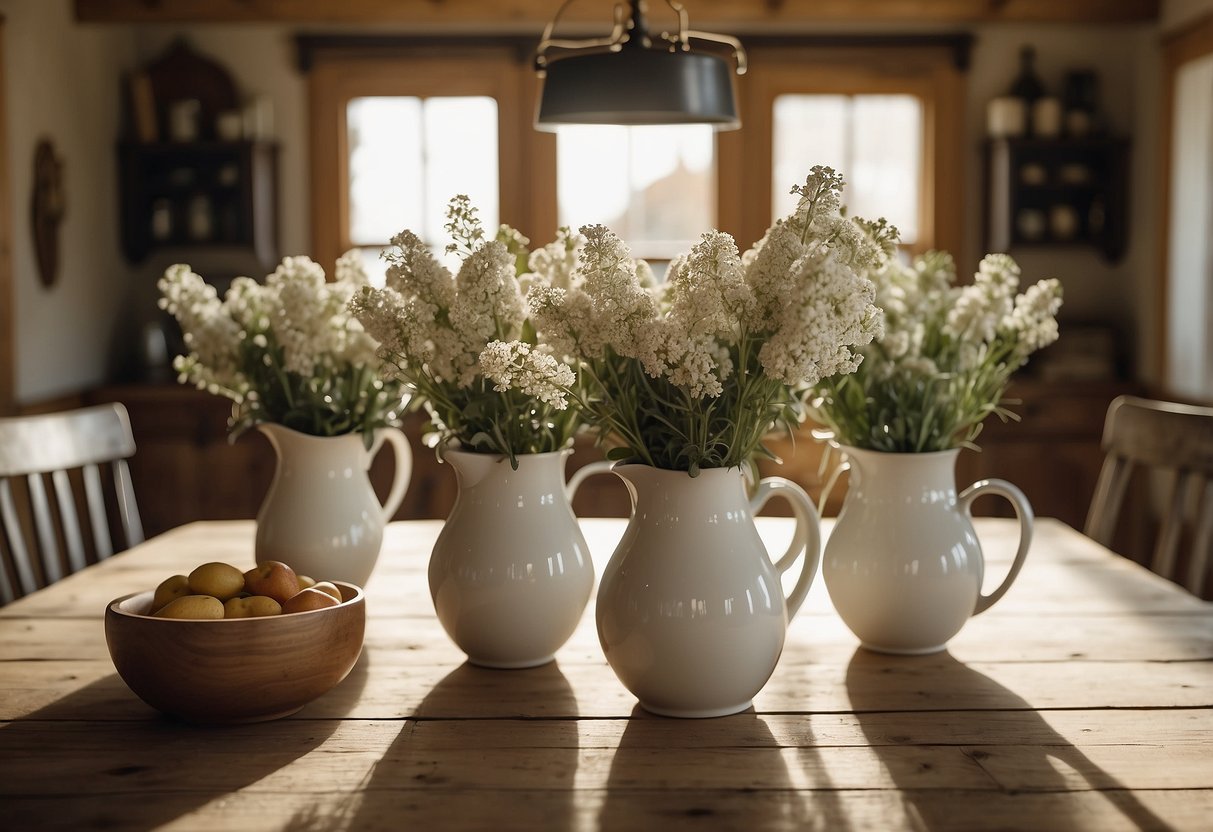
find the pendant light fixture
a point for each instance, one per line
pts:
(635, 77)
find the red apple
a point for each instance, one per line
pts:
(273, 579)
(309, 599)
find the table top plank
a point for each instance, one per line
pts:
(1073, 637)
(621, 810)
(1084, 700)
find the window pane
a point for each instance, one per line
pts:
(655, 186)
(409, 156)
(875, 141)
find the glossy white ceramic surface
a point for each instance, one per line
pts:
(691, 612)
(321, 514)
(510, 573)
(903, 565)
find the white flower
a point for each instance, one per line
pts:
(982, 306)
(554, 264)
(1033, 321)
(608, 276)
(290, 343)
(516, 365)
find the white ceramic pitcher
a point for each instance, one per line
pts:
(903, 564)
(321, 514)
(691, 612)
(510, 573)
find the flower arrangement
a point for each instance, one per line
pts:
(463, 346)
(286, 351)
(944, 360)
(694, 374)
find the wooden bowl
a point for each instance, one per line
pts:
(238, 669)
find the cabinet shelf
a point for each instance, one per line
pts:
(205, 194)
(1057, 192)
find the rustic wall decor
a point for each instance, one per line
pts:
(48, 205)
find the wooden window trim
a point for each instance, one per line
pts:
(333, 83)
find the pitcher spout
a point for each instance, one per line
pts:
(471, 469)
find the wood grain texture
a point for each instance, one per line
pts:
(534, 13)
(1084, 700)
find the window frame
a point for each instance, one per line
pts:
(929, 67)
(931, 74)
(335, 80)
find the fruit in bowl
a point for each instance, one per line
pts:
(244, 664)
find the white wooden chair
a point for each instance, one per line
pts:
(1176, 439)
(41, 537)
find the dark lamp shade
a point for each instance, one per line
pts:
(638, 86)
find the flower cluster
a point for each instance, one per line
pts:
(462, 343)
(943, 363)
(286, 350)
(693, 374)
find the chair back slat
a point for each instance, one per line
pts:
(1197, 578)
(1166, 437)
(58, 444)
(132, 525)
(94, 498)
(48, 545)
(1110, 491)
(1167, 545)
(68, 520)
(22, 564)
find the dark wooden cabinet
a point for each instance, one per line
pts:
(202, 195)
(1057, 192)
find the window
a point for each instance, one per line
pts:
(653, 186)
(397, 133)
(408, 156)
(874, 140)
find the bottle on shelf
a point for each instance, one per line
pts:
(1080, 95)
(1027, 86)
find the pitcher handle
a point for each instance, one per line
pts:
(1023, 511)
(806, 539)
(404, 467)
(602, 466)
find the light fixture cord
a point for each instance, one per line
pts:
(630, 27)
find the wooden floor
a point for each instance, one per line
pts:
(1084, 700)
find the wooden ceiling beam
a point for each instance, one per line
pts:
(533, 14)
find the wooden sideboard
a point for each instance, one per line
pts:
(186, 468)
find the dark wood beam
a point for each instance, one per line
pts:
(532, 14)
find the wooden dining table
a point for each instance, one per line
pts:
(1083, 700)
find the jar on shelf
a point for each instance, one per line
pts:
(200, 222)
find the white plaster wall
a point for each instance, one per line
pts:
(62, 81)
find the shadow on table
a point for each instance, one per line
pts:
(869, 678)
(732, 775)
(125, 750)
(513, 766)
